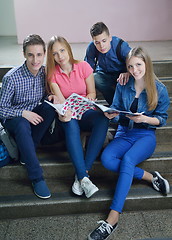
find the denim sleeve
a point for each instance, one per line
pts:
(163, 104)
(117, 99)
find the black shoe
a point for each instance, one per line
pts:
(160, 184)
(103, 231)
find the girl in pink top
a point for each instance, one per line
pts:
(65, 76)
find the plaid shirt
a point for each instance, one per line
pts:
(21, 90)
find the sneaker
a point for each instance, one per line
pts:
(76, 187)
(41, 190)
(103, 231)
(22, 162)
(160, 184)
(88, 187)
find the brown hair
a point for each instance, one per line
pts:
(33, 39)
(98, 28)
(50, 62)
(149, 75)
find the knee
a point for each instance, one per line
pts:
(104, 120)
(22, 127)
(106, 158)
(48, 110)
(100, 119)
(127, 165)
(71, 126)
(99, 81)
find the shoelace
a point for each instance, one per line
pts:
(85, 183)
(105, 227)
(156, 182)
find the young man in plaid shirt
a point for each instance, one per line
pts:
(24, 113)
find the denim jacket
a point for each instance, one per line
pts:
(124, 96)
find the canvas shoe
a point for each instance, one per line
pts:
(76, 187)
(22, 162)
(41, 190)
(88, 187)
(160, 184)
(103, 231)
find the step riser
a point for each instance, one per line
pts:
(82, 206)
(168, 84)
(162, 69)
(56, 171)
(3, 71)
(169, 120)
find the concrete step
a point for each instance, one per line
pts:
(18, 201)
(55, 167)
(168, 83)
(133, 225)
(56, 163)
(3, 70)
(161, 68)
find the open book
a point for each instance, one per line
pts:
(76, 103)
(113, 110)
(79, 105)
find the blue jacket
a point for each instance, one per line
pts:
(108, 62)
(124, 96)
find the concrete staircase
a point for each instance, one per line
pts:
(18, 201)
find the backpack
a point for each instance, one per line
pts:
(4, 155)
(3, 152)
(9, 143)
(118, 53)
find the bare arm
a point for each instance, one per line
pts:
(57, 92)
(91, 91)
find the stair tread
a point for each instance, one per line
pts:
(12, 189)
(26, 204)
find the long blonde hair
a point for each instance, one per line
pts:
(149, 76)
(50, 62)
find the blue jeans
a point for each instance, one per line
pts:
(123, 154)
(28, 136)
(106, 83)
(95, 122)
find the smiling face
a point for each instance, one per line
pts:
(60, 53)
(34, 55)
(136, 66)
(102, 42)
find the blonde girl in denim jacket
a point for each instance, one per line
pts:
(135, 139)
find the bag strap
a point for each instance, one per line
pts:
(96, 59)
(118, 50)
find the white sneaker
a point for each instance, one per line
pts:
(76, 187)
(88, 187)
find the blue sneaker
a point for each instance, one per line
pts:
(41, 190)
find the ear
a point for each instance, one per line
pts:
(110, 37)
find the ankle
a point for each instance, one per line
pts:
(113, 217)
